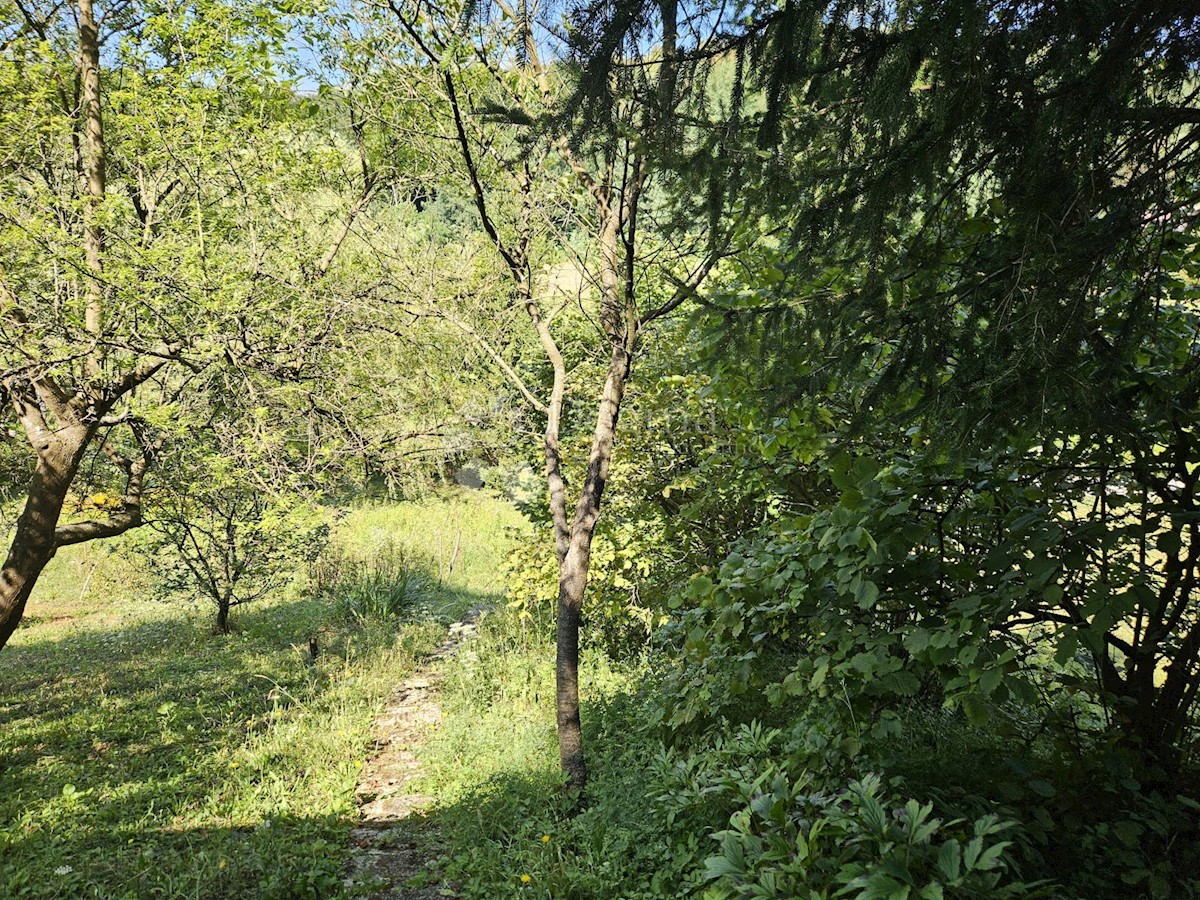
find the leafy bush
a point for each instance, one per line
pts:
(791, 839)
(719, 814)
(796, 822)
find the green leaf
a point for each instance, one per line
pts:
(867, 594)
(903, 682)
(949, 860)
(1068, 645)
(977, 709)
(819, 674)
(1042, 788)
(916, 640)
(977, 226)
(971, 852)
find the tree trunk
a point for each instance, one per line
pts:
(1156, 719)
(60, 447)
(223, 615)
(34, 543)
(61, 424)
(573, 569)
(93, 160)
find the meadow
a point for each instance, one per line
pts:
(143, 755)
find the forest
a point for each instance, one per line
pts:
(600, 449)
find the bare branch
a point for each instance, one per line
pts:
(497, 358)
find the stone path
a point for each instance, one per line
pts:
(387, 851)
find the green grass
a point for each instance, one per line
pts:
(503, 815)
(430, 530)
(144, 756)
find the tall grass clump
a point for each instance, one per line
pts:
(385, 583)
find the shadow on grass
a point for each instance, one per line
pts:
(519, 835)
(147, 761)
(517, 832)
(281, 857)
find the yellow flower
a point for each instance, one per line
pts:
(525, 879)
(545, 838)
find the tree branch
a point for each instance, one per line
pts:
(497, 358)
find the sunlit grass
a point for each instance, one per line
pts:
(505, 822)
(479, 527)
(145, 756)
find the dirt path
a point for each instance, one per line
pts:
(387, 851)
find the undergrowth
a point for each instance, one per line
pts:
(793, 803)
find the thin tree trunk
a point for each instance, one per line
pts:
(619, 321)
(93, 170)
(550, 445)
(1160, 716)
(573, 569)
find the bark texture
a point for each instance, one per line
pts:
(93, 171)
(61, 424)
(34, 543)
(573, 568)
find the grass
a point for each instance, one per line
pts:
(144, 756)
(507, 827)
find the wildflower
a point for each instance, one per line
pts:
(63, 870)
(545, 838)
(525, 879)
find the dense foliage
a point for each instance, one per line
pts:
(885, 586)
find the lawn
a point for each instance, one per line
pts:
(142, 755)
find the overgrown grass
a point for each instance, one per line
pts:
(461, 540)
(144, 756)
(507, 827)
(384, 585)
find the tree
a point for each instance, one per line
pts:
(224, 530)
(999, 194)
(139, 244)
(986, 216)
(542, 198)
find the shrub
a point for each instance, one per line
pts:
(220, 536)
